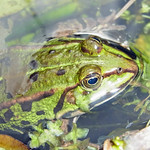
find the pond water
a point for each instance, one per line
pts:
(26, 22)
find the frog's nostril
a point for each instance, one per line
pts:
(119, 70)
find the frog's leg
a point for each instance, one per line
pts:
(142, 105)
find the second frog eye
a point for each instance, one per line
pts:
(92, 46)
(90, 77)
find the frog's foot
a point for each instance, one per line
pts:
(143, 106)
(135, 102)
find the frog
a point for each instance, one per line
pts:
(67, 77)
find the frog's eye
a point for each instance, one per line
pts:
(90, 77)
(91, 81)
(92, 46)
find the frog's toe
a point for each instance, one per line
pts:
(143, 106)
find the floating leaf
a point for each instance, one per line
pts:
(9, 143)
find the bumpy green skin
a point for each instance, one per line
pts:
(71, 56)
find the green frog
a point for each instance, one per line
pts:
(65, 78)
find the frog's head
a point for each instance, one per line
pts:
(108, 69)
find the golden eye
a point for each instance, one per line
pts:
(90, 77)
(91, 81)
